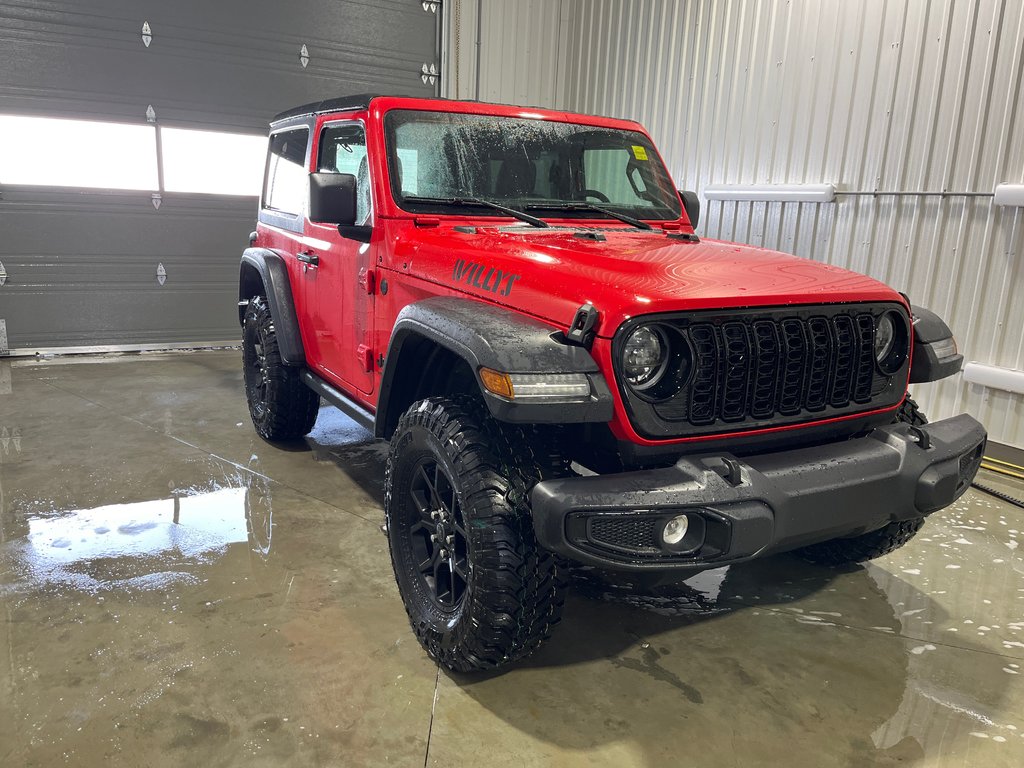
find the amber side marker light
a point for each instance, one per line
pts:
(498, 383)
(553, 387)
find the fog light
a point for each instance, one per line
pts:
(675, 530)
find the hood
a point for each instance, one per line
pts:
(549, 273)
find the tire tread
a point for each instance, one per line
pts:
(517, 592)
(889, 538)
(292, 407)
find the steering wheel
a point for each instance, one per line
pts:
(594, 193)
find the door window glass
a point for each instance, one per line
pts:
(343, 150)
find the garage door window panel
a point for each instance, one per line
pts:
(55, 152)
(194, 162)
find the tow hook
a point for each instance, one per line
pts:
(726, 467)
(923, 441)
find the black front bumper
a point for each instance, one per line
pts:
(742, 508)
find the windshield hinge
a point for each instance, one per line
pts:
(686, 237)
(427, 221)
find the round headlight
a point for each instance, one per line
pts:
(892, 342)
(885, 335)
(644, 357)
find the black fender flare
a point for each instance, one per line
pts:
(273, 273)
(489, 336)
(927, 365)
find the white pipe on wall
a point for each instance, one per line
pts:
(1010, 194)
(772, 193)
(1006, 379)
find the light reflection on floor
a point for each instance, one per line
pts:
(144, 544)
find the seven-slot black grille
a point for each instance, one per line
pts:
(755, 368)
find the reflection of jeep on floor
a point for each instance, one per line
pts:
(516, 299)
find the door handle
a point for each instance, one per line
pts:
(308, 257)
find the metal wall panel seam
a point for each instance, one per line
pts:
(883, 228)
(980, 131)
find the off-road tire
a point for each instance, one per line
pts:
(909, 413)
(281, 406)
(876, 543)
(513, 592)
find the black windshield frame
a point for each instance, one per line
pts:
(664, 204)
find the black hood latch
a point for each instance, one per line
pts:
(581, 330)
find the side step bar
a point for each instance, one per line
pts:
(339, 399)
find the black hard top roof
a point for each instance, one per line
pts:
(361, 101)
(358, 101)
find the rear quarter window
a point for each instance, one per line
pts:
(287, 179)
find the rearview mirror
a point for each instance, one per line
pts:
(332, 198)
(691, 204)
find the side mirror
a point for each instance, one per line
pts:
(691, 204)
(332, 198)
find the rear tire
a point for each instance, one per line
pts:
(479, 591)
(887, 539)
(281, 406)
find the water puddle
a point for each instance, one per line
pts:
(136, 546)
(699, 594)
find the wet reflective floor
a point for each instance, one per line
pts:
(174, 591)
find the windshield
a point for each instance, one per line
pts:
(439, 159)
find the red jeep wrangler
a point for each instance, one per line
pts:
(516, 299)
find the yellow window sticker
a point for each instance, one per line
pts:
(639, 152)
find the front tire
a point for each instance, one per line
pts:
(281, 406)
(478, 589)
(886, 539)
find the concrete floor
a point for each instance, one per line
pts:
(264, 628)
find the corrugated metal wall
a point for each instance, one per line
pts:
(82, 264)
(903, 95)
(519, 47)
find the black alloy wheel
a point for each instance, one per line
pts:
(437, 534)
(479, 591)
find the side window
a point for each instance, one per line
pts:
(287, 180)
(614, 173)
(343, 150)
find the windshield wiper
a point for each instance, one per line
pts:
(515, 212)
(590, 207)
